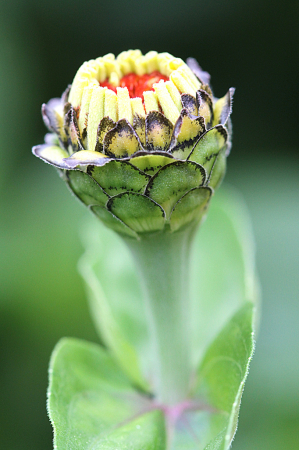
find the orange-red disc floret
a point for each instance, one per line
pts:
(137, 84)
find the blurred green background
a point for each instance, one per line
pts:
(251, 45)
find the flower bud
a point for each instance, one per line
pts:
(140, 139)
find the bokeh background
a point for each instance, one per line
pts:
(249, 44)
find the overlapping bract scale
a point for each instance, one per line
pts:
(143, 172)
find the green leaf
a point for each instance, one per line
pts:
(107, 326)
(114, 296)
(219, 386)
(225, 366)
(92, 404)
(223, 274)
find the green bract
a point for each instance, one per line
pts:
(140, 165)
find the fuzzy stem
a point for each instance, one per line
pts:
(163, 264)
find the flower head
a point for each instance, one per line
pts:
(140, 139)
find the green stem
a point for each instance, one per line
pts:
(163, 264)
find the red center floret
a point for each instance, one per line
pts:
(137, 84)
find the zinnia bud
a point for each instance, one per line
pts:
(140, 139)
